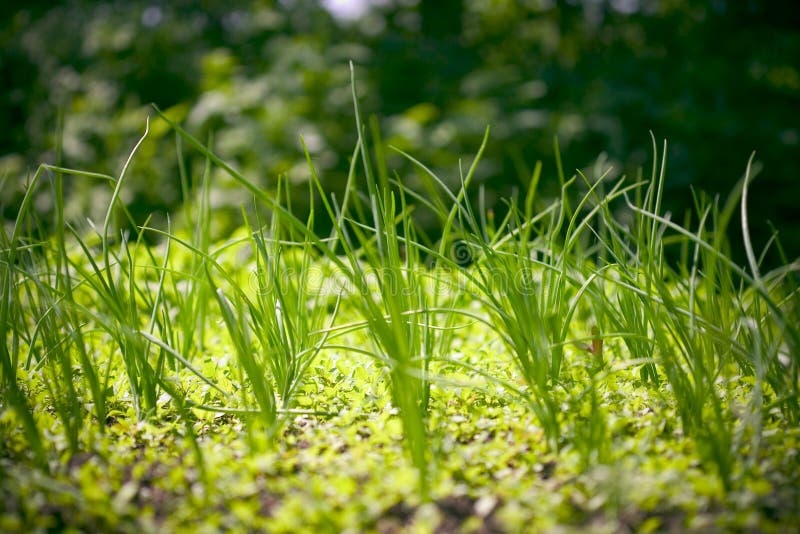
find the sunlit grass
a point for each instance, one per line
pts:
(572, 295)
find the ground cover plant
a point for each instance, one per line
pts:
(579, 362)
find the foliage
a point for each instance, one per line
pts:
(542, 368)
(599, 74)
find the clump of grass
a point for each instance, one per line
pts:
(529, 274)
(392, 290)
(13, 328)
(289, 314)
(701, 325)
(279, 331)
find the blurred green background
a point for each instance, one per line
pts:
(717, 78)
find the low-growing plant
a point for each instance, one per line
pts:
(561, 307)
